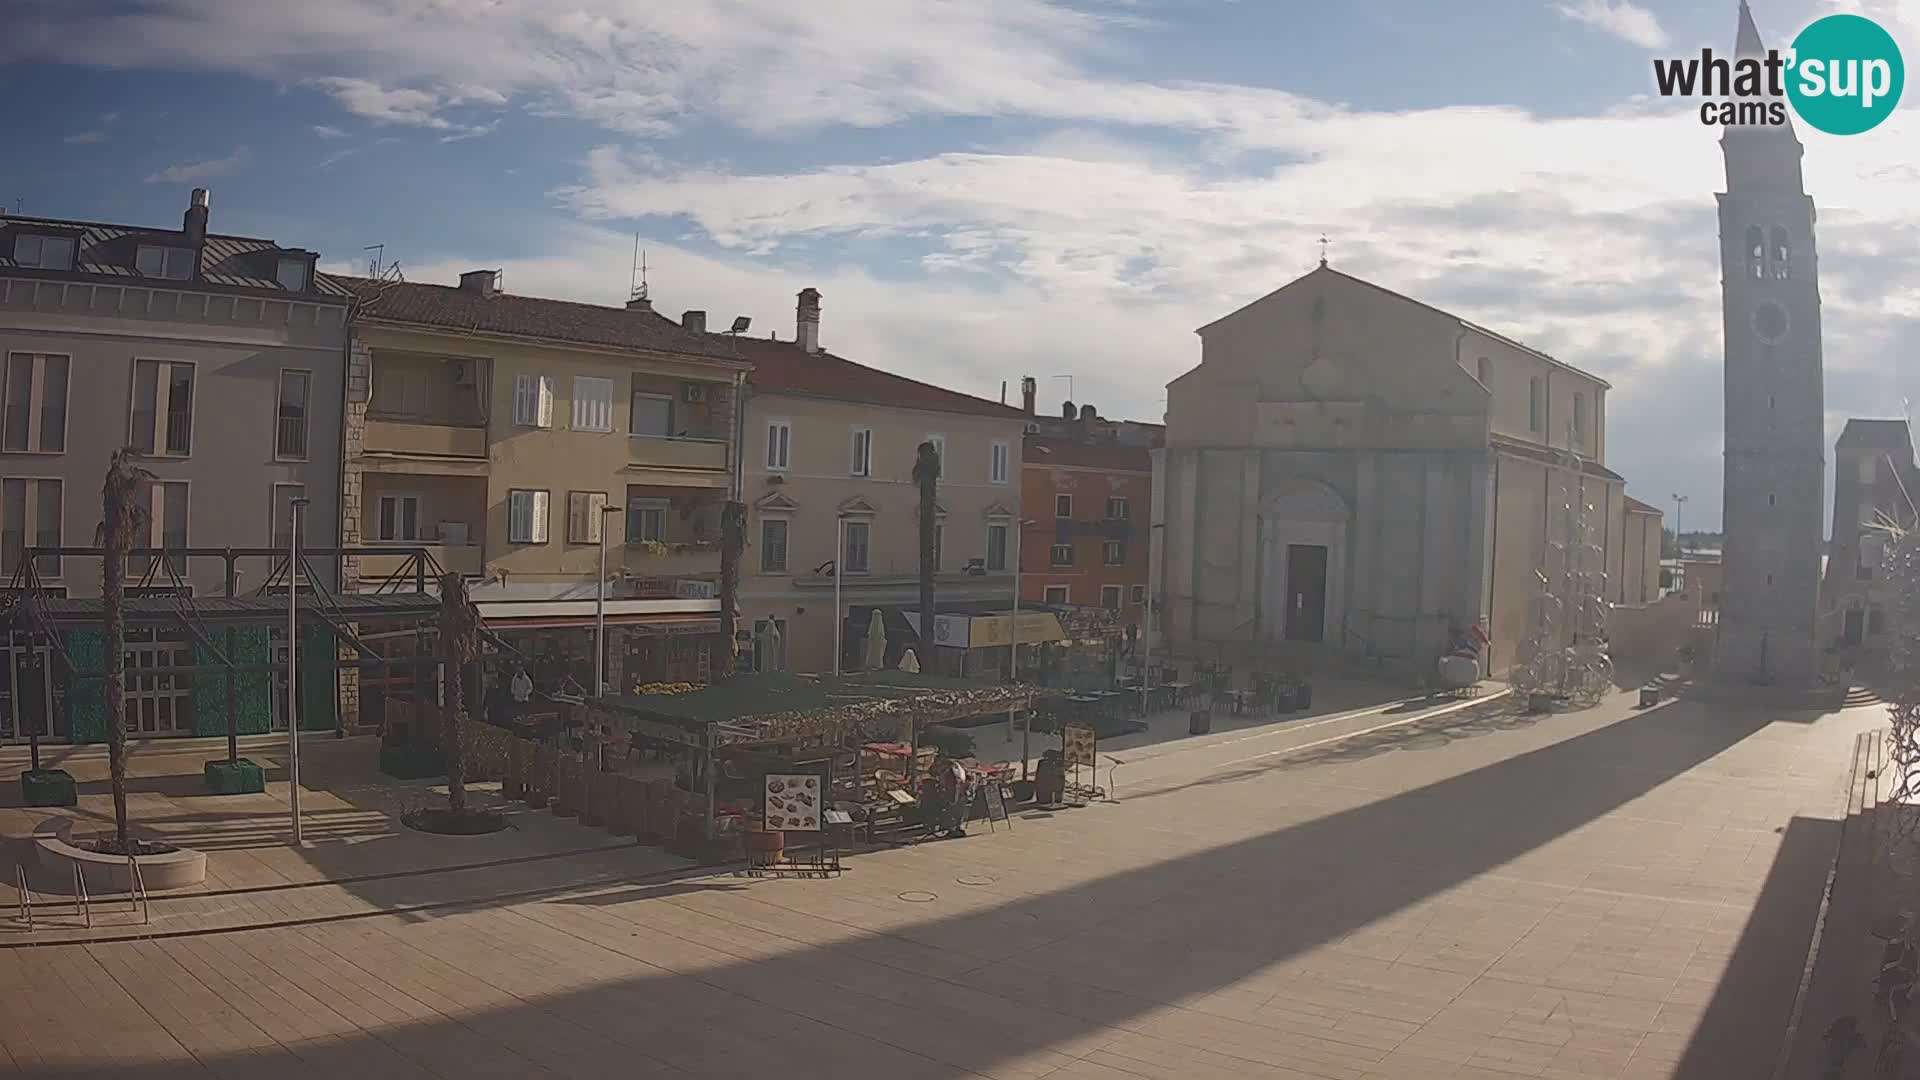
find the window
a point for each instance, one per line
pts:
(1533, 404)
(650, 415)
(1780, 255)
(773, 545)
(1110, 597)
(861, 463)
(939, 455)
(1114, 553)
(1579, 418)
(399, 391)
(1756, 253)
(290, 433)
(280, 510)
(1063, 506)
(646, 519)
(527, 513)
(40, 252)
(779, 444)
(35, 393)
(939, 547)
(399, 517)
(592, 404)
(997, 546)
(172, 263)
(30, 513)
(997, 472)
(163, 407)
(1057, 594)
(1118, 509)
(584, 515)
(533, 401)
(1061, 555)
(291, 274)
(859, 549)
(1485, 371)
(1139, 594)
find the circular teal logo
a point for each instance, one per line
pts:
(1845, 74)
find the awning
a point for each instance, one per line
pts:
(647, 625)
(516, 611)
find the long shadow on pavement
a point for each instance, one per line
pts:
(939, 997)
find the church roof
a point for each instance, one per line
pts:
(1323, 268)
(1875, 435)
(1747, 40)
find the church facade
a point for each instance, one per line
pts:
(1774, 489)
(1351, 471)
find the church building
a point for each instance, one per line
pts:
(1774, 492)
(1352, 471)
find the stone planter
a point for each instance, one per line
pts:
(1539, 703)
(601, 807)
(570, 788)
(57, 856)
(237, 777)
(628, 795)
(47, 787)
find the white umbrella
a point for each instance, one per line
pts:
(909, 663)
(876, 642)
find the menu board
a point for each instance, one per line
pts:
(996, 802)
(1077, 743)
(793, 802)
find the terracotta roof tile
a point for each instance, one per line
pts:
(1635, 506)
(782, 367)
(1040, 451)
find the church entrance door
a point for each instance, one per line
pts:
(1306, 592)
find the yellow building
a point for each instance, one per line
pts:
(503, 433)
(828, 463)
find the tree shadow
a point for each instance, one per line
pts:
(979, 990)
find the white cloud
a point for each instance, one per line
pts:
(1623, 19)
(187, 172)
(82, 138)
(327, 131)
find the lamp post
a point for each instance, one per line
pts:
(1147, 635)
(1013, 625)
(293, 664)
(1679, 508)
(839, 571)
(600, 610)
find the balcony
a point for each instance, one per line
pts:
(678, 461)
(671, 560)
(412, 438)
(464, 559)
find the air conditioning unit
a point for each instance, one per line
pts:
(694, 393)
(1033, 429)
(462, 372)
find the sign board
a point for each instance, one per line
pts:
(1077, 744)
(997, 630)
(997, 802)
(793, 802)
(952, 631)
(694, 589)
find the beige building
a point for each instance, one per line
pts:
(1349, 470)
(1639, 581)
(830, 447)
(505, 433)
(220, 358)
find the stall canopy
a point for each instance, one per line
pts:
(778, 706)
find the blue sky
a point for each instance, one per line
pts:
(990, 188)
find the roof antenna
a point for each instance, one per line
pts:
(373, 264)
(1323, 248)
(637, 278)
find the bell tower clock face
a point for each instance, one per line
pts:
(1770, 322)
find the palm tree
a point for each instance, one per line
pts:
(926, 475)
(733, 540)
(123, 501)
(460, 637)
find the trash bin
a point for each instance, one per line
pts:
(1649, 696)
(1200, 722)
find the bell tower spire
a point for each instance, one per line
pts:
(1774, 493)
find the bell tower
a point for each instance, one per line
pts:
(1774, 491)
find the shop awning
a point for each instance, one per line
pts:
(507, 614)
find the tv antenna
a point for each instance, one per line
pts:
(373, 264)
(637, 278)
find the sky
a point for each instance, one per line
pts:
(985, 189)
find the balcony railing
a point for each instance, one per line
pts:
(463, 559)
(671, 560)
(435, 440)
(657, 452)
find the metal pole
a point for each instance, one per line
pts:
(839, 571)
(293, 664)
(1013, 626)
(600, 617)
(1026, 722)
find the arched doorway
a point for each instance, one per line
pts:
(1303, 553)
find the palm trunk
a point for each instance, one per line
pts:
(926, 473)
(460, 642)
(122, 512)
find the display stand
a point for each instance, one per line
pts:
(1079, 749)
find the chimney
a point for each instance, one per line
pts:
(1087, 414)
(195, 222)
(1029, 390)
(1066, 410)
(481, 282)
(695, 320)
(806, 320)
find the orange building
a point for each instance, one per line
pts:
(1086, 508)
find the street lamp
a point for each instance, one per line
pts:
(1013, 626)
(1679, 507)
(293, 664)
(839, 571)
(600, 611)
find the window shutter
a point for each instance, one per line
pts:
(576, 517)
(524, 410)
(543, 404)
(596, 520)
(540, 515)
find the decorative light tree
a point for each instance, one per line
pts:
(1564, 655)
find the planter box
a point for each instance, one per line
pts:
(1649, 696)
(629, 797)
(47, 787)
(57, 857)
(541, 780)
(237, 777)
(1539, 703)
(601, 807)
(408, 762)
(569, 789)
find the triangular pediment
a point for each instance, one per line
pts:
(858, 505)
(996, 510)
(776, 501)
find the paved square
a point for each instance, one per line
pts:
(1602, 894)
